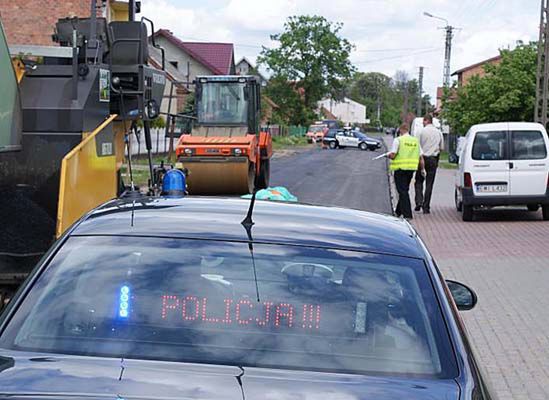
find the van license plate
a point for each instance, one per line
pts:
(491, 188)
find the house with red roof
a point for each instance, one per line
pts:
(192, 59)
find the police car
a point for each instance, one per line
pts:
(351, 138)
(218, 298)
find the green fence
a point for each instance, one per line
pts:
(297, 130)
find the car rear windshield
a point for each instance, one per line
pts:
(212, 302)
(490, 146)
(317, 128)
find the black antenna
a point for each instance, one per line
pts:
(248, 224)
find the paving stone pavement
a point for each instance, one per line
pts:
(504, 256)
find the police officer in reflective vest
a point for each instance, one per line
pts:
(406, 156)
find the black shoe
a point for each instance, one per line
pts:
(398, 214)
(426, 211)
(418, 208)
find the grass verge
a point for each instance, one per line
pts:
(286, 142)
(140, 177)
(443, 162)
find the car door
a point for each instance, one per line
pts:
(340, 136)
(346, 139)
(490, 163)
(528, 162)
(354, 139)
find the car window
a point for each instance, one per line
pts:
(527, 145)
(490, 146)
(288, 307)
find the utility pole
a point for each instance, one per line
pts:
(420, 92)
(448, 54)
(405, 104)
(447, 48)
(542, 77)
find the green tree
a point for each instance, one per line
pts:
(506, 93)
(291, 107)
(384, 96)
(312, 54)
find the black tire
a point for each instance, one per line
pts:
(264, 175)
(533, 207)
(468, 213)
(333, 145)
(363, 146)
(545, 212)
(459, 204)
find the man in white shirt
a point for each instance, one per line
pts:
(432, 143)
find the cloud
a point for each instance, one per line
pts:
(389, 34)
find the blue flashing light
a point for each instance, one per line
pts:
(124, 302)
(174, 184)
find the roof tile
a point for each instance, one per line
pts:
(218, 57)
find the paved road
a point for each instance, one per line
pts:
(345, 177)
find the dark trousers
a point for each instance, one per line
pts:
(402, 183)
(424, 200)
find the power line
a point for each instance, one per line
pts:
(388, 50)
(432, 50)
(485, 5)
(466, 7)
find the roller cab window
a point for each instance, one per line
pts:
(223, 103)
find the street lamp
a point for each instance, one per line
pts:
(448, 47)
(435, 17)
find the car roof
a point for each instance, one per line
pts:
(215, 218)
(499, 126)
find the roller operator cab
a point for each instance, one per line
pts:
(503, 164)
(226, 153)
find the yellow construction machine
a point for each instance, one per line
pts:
(65, 112)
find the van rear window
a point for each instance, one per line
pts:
(490, 146)
(527, 145)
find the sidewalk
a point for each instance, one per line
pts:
(504, 256)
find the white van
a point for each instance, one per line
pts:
(417, 125)
(503, 164)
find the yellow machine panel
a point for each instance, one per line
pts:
(89, 174)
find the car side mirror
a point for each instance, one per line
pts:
(464, 297)
(453, 158)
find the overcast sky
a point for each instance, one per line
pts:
(388, 34)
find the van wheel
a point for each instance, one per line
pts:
(363, 146)
(533, 207)
(545, 211)
(468, 213)
(333, 145)
(459, 204)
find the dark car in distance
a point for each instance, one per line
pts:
(157, 298)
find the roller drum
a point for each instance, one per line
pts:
(220, 178)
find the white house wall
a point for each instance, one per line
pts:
(347, 111)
